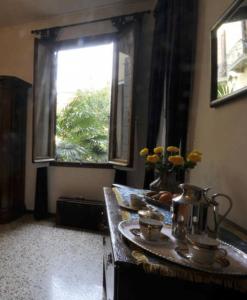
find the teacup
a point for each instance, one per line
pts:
(204, 250)
(150, 229)
(151, 224)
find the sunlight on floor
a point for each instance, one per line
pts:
(65, 290)
(39, 261)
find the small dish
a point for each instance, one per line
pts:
(131, 208)
(163, 238)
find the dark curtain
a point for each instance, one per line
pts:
(41, 194)
(120, 177)
(180, 57)
(172, 69)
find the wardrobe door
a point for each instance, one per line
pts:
(5, 159)
(13, 115)
(17, 148)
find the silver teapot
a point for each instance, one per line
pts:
(190, 211)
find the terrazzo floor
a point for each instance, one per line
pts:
(39, 261)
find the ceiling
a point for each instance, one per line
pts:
(13, 12)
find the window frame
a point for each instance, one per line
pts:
(112, 156)
(52, 110)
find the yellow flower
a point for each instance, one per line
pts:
(158, 150)
(194, 157)
(153, 158)
(144, 152)
(196, 151)
(176, 160)
(173, 149)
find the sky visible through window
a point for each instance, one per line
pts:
(84, 77)
(88, 68)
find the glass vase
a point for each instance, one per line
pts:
(165, 181)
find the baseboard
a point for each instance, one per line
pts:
(31, 211)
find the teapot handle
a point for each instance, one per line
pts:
(215, 203)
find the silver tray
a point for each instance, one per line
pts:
(165, 248)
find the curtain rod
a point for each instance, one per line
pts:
(38, 31)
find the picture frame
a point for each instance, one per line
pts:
(229, 55)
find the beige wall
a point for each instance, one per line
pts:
(220, 133)
(16, 54)
(77, 182)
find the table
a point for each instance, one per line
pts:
(124, 279)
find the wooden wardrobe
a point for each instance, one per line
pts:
(13, 117)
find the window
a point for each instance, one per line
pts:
(83, 98)
(84, 77)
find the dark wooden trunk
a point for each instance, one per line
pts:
(13, 116)
(81, 213)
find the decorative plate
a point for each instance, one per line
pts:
(129, 207)
(174, 251)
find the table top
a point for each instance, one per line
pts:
(122, 250)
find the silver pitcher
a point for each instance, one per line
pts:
(190, 211)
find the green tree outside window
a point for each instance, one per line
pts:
(82, 131)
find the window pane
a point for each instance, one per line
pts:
(44, 101)
(84, 77)
(124, 88)
(122, 133)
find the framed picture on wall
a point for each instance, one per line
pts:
(229, 55)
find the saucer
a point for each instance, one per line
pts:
(163, 238)
(221, 262)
